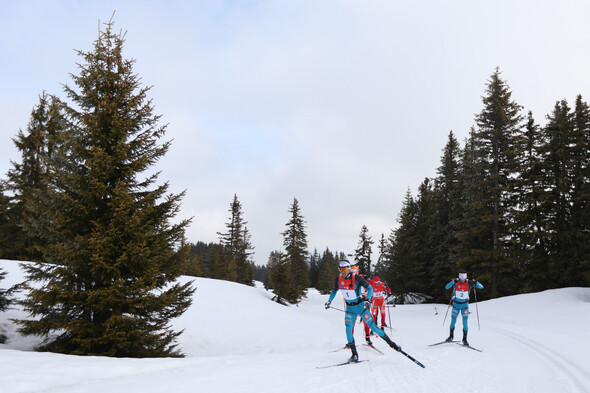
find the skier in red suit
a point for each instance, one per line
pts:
(378, 301)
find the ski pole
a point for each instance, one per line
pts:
(389, 317)
(336, 308)
(411, 358)
(450, 301)
(476, 309)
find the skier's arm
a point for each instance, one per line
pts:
(334, 290)
(450, 284)
(476, 284)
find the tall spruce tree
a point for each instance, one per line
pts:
(362, 254)
(426, 243)
(27, 178)
(114, 256)
(380, 268)
(402, 251)
(447, 211)
(295, 243)
(529, 224)
(558, 167)
(580, 196)
(237, 247)
(490, 188)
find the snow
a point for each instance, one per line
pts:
(237, 340)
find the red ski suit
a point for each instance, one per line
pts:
(378, 301)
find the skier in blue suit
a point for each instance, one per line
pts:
(349, 284)
(461, 288)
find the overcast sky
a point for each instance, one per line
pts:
(344, 105)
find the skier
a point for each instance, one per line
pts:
(350, 285)
(378, 303)
(461, 289)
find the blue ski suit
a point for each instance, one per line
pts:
(350, 286)
(461, 292)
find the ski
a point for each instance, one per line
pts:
(443, 342)
(340, 349)
(341, 364)
(470, 347)
(371, 346)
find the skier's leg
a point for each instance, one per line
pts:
(349, 320)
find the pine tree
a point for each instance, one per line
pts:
(295, 243)
(328, 269)
(447, 206)
(426, 245)
(558, 167)
(362, 254)
(237, 246)
(580, 196)
(27, 179)
(402, 251)
(114, 257)
(314, 271)
(280, 277)
(529, 225)
(380, 266)
(494, 168)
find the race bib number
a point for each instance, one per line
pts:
(348, 294)
(463, 295)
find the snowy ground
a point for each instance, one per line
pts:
(237, 340)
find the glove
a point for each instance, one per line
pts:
(364, 298)
(456, 280)
(473, 281)
(327, 305)
(367, 304)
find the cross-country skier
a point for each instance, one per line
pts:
(461, 288)
(350, 285)
(378, 302)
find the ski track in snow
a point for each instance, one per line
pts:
(578, 377)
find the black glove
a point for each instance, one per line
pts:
(367, 304)
(473, 281)
(455, 280)
(327, 305)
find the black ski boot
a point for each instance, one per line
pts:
(391, 343)
(450, 338)
(465, 338)
(355, 356)
(368, 339)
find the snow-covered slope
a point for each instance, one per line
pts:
(237, 340)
